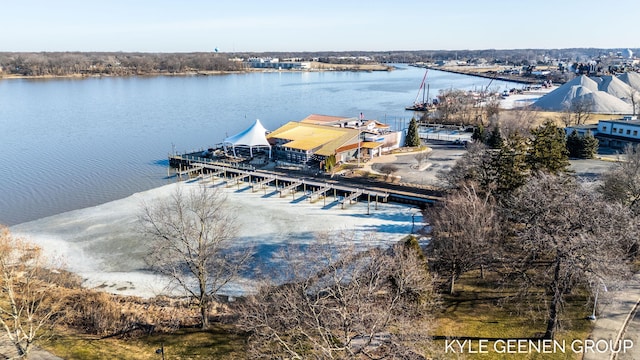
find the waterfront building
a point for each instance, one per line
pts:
(275, 63)
(254, 137)
(318, 137)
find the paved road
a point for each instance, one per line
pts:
(612, 318)
(632, 333)
(590, 169)
(442, 157)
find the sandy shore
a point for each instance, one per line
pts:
(103, 246)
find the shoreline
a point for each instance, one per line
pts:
(101, 243)
(323, 68)
(485, 74)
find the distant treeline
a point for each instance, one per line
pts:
(119, 63)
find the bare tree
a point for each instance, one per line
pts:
(519, 121)
(29, 300)
(492, 109)
(566, 116)
(578, 111)
(564, 237)
(622, 182)
(339, 303)
(190, 237)
(472, 166)
(463, 228)
(455, 107)
(422, 156)
(388, 170)
(634, 98)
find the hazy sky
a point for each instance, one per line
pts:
(284, 25)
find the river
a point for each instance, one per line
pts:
(73, 143)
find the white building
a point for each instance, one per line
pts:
(275, 63)
(615, 133)
(618, 133)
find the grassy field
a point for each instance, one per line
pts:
(479, 310)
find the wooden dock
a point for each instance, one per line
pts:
(313, 189)
(320, 192)
(291, 188)
(263, 183)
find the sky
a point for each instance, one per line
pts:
(327, 25)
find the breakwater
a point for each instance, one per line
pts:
(489, 75)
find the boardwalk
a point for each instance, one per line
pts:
(345, 191)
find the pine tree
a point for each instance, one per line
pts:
(413, 138)
(510, 165)
(478, 134)
(575, 144)
(582, 147)
(548, 149)
(590, 146)
(495, 140)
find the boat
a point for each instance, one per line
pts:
(426, 104)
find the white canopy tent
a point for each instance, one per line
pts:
(253, 137)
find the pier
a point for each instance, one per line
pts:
(343, 192)
(488, 75)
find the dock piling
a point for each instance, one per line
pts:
(236, 172)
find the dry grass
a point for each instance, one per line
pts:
(98, 325)
(219, 342)
(477, 311)
(540, 117)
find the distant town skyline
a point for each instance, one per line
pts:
(329, 25)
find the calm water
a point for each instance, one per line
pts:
(69, 144)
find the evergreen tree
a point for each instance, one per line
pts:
(510, 165)
(413, 138)
(329, 163)
(590, 146)
(495, 140)
(497, 172)
(548, 149)
(478, 134)
(582, 147)
(575, 144)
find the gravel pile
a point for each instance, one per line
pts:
(608, 94)
(632, 79)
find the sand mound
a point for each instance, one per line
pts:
(632, 79)
(616, 87)
(584, 81)
(605, 93)
(605, 103)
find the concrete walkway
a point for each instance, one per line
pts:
(612, 320)
(441, 158)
